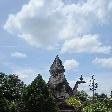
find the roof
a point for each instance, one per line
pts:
(57, 65)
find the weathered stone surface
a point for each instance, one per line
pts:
(57, 81)
(60, 87)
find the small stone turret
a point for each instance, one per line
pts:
(57, 81)
(57, 72)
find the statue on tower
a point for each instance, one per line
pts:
(57, 81)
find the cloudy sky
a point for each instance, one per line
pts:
(33, 32)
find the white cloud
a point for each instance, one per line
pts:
(104, 62)
(87, 43)
(24, 73)
(18, 55)
(38, 22)
(74, 1)
(27, 74)
(44, 23)
(71, 64)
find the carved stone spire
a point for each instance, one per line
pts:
(57, 81)
(57, 67)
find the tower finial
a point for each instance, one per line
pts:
(57, 66)
(57, 56)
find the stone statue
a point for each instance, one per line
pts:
(58, 83)
(77, 83)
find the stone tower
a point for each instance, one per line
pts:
(57, 81)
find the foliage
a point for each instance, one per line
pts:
(107, 102)
(12, 106)
(97, 107)
(82, 95)
(75, 103)
(101, 97)
(37, 97)
(11, 86)
(102, 104)
(4, 107)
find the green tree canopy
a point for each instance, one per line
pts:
(11, 86)
(37, 97)
(4, 107)
(82, 95)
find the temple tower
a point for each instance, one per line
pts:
(57, 81)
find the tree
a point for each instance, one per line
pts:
(82, 95)
(11, 86)
(101, 97)
(74, 102)
(97, 107)
(38, 98)
(4, 107)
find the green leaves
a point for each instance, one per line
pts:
(11, 86)
(37, 97)
(82, 95)
(4, 106)
(73, 101)
(97, 107)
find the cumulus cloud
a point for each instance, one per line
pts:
(71, 64)
(18, 55)
(46, 23)
(104, 62)
(24, 73)
(38, 22)
(87, 43)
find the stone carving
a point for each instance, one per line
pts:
(58, 83)
(77, 83)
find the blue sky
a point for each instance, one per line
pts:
(33, 32)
